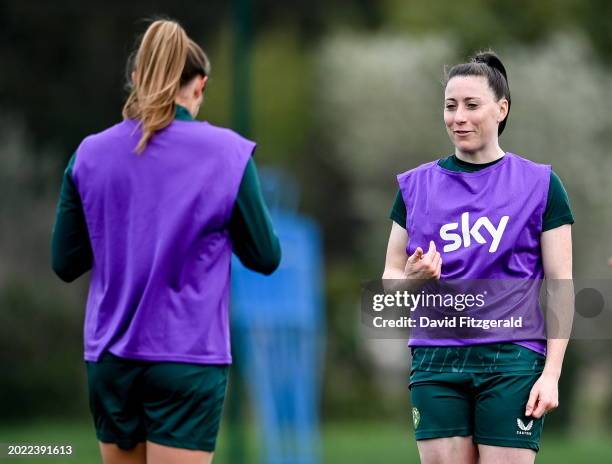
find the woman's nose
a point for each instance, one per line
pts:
(460, 115)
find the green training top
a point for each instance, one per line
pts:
(251, 230)
(558, 210)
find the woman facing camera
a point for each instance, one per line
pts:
(481, 213)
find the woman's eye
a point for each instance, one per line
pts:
(450, 107)
(472, 106)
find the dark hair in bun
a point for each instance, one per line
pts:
(486, 64)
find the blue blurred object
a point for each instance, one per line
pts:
(278, 330)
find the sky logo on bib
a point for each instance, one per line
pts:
(473, 232)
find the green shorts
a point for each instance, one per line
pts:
(172, 404)
(479, 391)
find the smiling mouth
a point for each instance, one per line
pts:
(462, 132)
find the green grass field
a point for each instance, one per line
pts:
(351, 443)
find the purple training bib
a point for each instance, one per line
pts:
(486, 225)
(158, 226)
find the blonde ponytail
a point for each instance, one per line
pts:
(156, 79)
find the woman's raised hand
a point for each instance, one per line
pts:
(424, 266)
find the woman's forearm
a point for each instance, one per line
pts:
(555, 352)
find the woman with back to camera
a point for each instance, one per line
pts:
(489, 409)
(155, 205)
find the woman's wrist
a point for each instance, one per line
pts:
(552, 371)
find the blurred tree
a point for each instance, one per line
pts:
(40, 353)
(594, 18)
(63, 62)
(477, 24)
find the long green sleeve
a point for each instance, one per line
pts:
(253, 237)
(71, 254)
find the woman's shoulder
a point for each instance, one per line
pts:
(421, 167)
(519, 159)
(209, 130)
(418, 169)
(108, 135)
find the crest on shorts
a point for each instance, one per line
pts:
(416, 417)
(524, 429)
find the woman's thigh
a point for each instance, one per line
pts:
(503, 455)
(152, 453)
(112, 454)
(160, 454)
(451, 450)
(442, 412)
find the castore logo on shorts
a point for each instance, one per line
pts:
(524, 429)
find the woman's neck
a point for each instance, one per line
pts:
(481, 156)
(191, 105)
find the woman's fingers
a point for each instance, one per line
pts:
(543, 397)
(531, 403)
(544, 406)
(540, 401)
(432, 247)
(425, 266)
(416, 256)
(434, 261)
(431, 253)
(539, 410)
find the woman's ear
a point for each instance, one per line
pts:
(200, 86)
(503, 109)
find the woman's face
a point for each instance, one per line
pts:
(472, 113)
